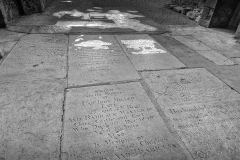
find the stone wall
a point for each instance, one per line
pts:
(34, 6)
(9, 9)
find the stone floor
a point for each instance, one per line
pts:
(124, 95)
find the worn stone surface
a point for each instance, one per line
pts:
(221, 41)
(6, 47)
(115, 122)
(98, 59)
(203, 110)
(147, 54)
(41, 56)
(204, 50)
(30, 117)
(32, 82)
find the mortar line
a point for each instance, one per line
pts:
(62, 127)
(64, 104)
(166, 120)
(104, 83)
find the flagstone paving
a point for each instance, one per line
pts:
(124, 95)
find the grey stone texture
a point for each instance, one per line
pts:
(115, 122)
(147, 54)
(32, 82)
(98, 59)
(203, 110)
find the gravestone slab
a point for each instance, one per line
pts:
(204, 50)
(41, 56)
(147, 54)
(203, 110)
(30, 121)
(115, 122)
(98, 59)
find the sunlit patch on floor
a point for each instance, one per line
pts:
(66, 1)
(93, 44)
(143, 46)
(119, 19)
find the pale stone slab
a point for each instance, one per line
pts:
(98, 59)
(30, 117)
(147, 54)
(203, 110)
(38, 55)
(115, 122)
(204, 50)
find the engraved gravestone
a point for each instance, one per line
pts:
(115, 122)
(147, 54)
(98, 59)
(203, 110)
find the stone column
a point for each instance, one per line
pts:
(9, 10)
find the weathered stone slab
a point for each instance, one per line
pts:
(30, 121)
(97, 59)
(9, 36)
(115, 122)
(147, 54)
(203, 110)
(221, 41)
(41, 56)
(204, 50)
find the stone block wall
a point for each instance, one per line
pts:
(9, 9)
(34, 6)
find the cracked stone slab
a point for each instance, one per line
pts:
(147, 54)
(203, 110)
(97, 59)
(30, 117)
(202, 49)
(115, 122)
(39, 56)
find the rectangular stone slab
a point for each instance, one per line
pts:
(97, 59)
(205, 51)
(115, 122)
(31, 112)
(203, 110)
(146, 54)
(38, 55)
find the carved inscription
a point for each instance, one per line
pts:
(204, 111)
(104, 61)
(115, 122)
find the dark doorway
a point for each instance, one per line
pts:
(20, 6)
(224, 13)
(2, 22)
